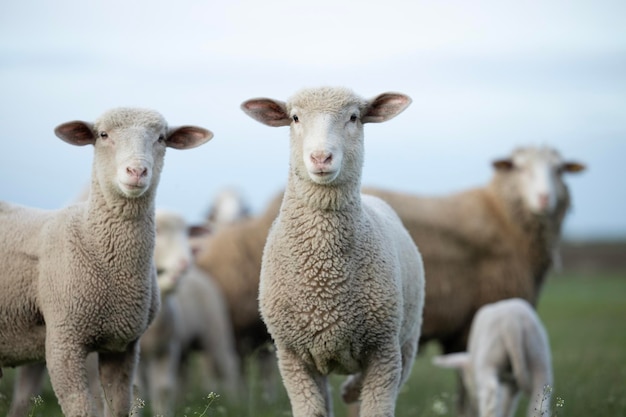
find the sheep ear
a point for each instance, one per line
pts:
(384, 107)
(453, 360)
(267, 111)
(187, 137)
(505, 164)
(570, 166)
(76, 133)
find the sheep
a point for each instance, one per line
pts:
(82, 279)
(203, 322)
(508, 352)
(228, 206)
(342, 283)
(487, 243)
(160, 344)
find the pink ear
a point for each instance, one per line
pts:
(267, 111)
(385, 106)
(76, 133)
(187, 137)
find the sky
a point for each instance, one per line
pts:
(484, 76)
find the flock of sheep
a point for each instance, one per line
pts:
(110, 293)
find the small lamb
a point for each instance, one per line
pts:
(508, 352)
(342, 283)
(82, 279)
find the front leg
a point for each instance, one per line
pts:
(307, 389)
(381, 381)
(117, 371)
(66, 362)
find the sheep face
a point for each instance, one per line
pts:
(130, 146)
(326, 128)
(325, 141)
(172, 253)
(536, 175)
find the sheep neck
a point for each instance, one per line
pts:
(540, 233)
(109, 219)
(331, 197)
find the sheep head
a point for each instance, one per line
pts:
(129, 146)
(535, 175)
(326, 128)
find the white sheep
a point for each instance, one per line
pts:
(342, 283)
(202, 322)
(160, 345)
(508, 353)
(82, 278)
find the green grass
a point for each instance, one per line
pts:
(586, 319)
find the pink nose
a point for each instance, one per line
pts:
(321, 158)
(137, 172)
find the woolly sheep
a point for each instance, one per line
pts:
(342, 283)
(203, 322)
(160, 344)
(82, 278)
(508, 352)
(488, 243)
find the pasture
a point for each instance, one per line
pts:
(585, 314)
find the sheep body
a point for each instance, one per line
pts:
(82, 279)
(341, 286)
(508, 353)
(488, 243)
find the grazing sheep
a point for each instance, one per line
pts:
(508, 352)
(82, 279)
(486, 244)
(342, 283)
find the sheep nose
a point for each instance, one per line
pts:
(321, 158)
(137, 172)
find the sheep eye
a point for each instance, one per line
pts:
(295, 118)
(104, 135)
(353, 118)
(162, 138)
(160, 271)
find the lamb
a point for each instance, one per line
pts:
(203, 322)
(160, 344)
(488, 243)
(82, 279)
(342, 283)
(508, 352)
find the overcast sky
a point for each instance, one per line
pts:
(484, 76)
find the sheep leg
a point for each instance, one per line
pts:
(307, 390)
(162, 373)
(381, 380)
(28, 381)
(66, 364)
(116, 375)
(488, 394)
(509, 399)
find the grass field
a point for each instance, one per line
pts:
(586, 319)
